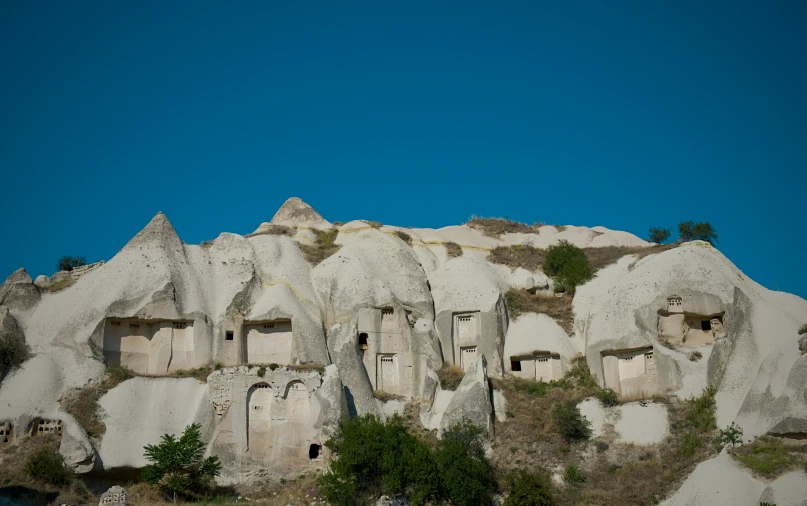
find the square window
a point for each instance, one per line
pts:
(706, 325)
(229, 335)
(515, 365)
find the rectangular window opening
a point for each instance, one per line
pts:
(515, 365)
(229, 335)
(706, 325)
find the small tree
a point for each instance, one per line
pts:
(658, 235)
(178, 466)
(568, 265)
(68, 263)
(731, 435)
(571, 423)
(691, 231)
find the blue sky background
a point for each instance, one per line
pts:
(622, 114)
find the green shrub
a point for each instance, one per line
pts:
(404, 237)
(574, 475)
(453, 249)
(568, 265)
(68, 263)
(570, 422)
(690, 444)
(529, 489)
(731, 435)
(658, 235)
(466, 476)
(803, 329)
(178, 466)
(691, 231)
(607, 397)
(47, 465)
(13, 352)
(374, 458)
(272, 367)
(261, 371)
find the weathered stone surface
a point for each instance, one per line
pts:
(471, 401)
(115, 496)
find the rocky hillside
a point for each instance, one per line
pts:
(268, 340)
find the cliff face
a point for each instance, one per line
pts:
(305, 322)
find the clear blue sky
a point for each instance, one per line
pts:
(622, 114)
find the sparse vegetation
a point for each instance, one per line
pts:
(404, 237)
(83, 405)
(658, 235)
(450, 376)
(271, 230)
(385, 396)
(311, 366)
(695, 356)
(325, 246)
(374, 224)
(568, 266)
(691, 231)
(60, 285)
(803, 329)
(770, 457)
(529, 489)
(453, 249)
(496, 227)
(178, 466)
(68, 263)
(520, 301)
(571, 424)
(518, 255)
(13, 352)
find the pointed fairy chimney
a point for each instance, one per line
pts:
(159, 231)
(294, 211)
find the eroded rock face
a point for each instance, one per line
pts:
(380, 315)
(472, 400)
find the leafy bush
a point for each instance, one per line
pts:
(607, 397)
(47, 465)
(68, 263)
(570, 422)
(529, 489)
(404, 237)
(464, 471)
(568, 265)
(731, 435)
(658, 235)
(803, 329)
(13, 352)
(453, 249)
(701, 411)
(373, 457)
(691, 231)
(574, 475)
(178, 466)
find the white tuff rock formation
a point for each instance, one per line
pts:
(294, 347)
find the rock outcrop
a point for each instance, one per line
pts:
(284, 348)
